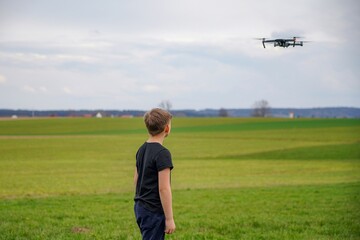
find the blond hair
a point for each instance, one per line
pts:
(156, 120)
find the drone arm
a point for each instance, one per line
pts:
(267, 41)
(298, 44)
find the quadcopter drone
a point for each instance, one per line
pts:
(280, 42)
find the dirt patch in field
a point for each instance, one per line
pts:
(80, 230)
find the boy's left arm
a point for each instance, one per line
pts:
(166, 200)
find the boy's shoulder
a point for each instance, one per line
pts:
(153, 147)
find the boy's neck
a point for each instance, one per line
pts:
(156, 139)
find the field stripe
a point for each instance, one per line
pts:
(272, 124)
(326, 152)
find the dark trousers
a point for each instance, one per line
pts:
(151, 224)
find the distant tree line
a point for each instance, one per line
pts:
(332, 112)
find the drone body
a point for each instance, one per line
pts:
(286, 42)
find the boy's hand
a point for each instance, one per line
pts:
(169, 226)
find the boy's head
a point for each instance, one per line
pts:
(157, 121)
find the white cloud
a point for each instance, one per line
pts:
(151, 88)
(341, 81)
(43, 89)
(35, 89)
(2, 79)
(67, 90)
(29, 89)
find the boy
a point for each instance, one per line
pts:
(153, 198)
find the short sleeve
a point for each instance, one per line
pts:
(163, 160)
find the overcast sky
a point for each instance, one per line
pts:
(116, 54)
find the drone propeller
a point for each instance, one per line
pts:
(262, 39)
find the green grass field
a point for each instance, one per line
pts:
(233, 178)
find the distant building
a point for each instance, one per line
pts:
(14, 116)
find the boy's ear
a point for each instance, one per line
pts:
(167, 128)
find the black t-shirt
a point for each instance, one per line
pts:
(150, 159)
